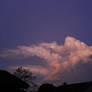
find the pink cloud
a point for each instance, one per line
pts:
(60, 58)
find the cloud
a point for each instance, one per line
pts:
(59, 58)
(39, 70)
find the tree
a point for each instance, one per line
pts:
(47, 88)
(64, 84)
(26, 76)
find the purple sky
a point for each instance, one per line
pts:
(27, 22)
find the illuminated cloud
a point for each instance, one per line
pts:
(59, 58)
(39, 70)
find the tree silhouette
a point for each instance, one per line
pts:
(47, 88)
(26, 76)
(65, 84)
(10, 83)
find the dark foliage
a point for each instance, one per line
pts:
(10, 83)
(79, 87)
(24, 74)
(46, 88)
(27, 76)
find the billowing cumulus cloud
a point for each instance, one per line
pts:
(59, 58)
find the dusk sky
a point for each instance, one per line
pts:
(51, 38)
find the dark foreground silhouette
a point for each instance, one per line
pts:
(79, 87)
(10, 83)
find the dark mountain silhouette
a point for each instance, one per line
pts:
(78, 87)
(10, 83)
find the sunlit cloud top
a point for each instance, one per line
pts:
(58, 58)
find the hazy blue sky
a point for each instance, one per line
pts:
(33, 21)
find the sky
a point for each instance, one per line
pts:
(48, 37)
